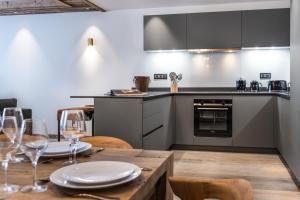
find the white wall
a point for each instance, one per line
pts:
(44, 59)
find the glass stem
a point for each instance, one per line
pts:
(74, 151)
(71, 152)
(34, 177)
(4, 167)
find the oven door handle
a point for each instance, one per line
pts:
(202, 108)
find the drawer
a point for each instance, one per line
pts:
(152, 122)
(153, 106)
(155, 140)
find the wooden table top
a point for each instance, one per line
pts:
(159, 161)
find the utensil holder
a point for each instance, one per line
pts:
(174, 87)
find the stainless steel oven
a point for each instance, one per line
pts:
(213, 117)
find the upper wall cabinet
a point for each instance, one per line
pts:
(214, 30)
(165, 32)
(266, 28)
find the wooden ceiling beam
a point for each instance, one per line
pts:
(60, 6)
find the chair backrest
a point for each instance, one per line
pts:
(7, 103)
(223, 189)
(107, 142)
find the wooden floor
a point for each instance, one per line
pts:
(269, 177)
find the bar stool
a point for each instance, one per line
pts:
(88, 112)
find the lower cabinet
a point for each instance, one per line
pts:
(282, 124)
(158, 122)
(184, 120)
(253, 121)
(155, 140)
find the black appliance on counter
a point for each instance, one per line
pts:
(213, 118)
(255, 86)
(277, 85)
(241, 85)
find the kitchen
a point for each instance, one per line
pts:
(78, 58)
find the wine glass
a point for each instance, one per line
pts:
(34, 146)
(73, 127)
(9, 144)
(17, 113)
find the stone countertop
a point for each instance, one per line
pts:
(153, 95)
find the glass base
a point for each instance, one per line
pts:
(16, 159)
(6, 190)
(71, 162)
(34, 188)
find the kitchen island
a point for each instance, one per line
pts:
(161, 119)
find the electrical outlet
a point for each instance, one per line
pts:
(160, 76)
(265, 76)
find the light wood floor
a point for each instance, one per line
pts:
(269, 177)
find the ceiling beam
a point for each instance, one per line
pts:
(56, 6)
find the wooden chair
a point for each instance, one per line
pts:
(223, 189)
(107, 142)
(88, 112)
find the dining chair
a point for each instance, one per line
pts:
(88, 112)
(107, 142)
(200, 189)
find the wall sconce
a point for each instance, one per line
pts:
(90, 41)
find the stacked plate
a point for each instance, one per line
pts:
(95, 175)
(62, 149)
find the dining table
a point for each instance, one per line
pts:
(152, 184)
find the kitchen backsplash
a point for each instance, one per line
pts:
(219, 69)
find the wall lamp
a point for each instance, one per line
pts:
(90, 41)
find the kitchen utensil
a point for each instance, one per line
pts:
(62, 147)
(277, 85)
(255, 86)
(73, 127)
(101, 172)
(66, 154)
(241, 84)
(142, 83)
(57, 178)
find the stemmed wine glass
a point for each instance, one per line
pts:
(73, 127)
(33, 146)
(9, 144)
(17, 113)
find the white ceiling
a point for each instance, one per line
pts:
(137, 4)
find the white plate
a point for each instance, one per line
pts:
(101, 172)
(60, 155)
(62, 147)
(58, 179)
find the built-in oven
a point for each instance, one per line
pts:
(213, 117)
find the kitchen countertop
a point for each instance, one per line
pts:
(158, 94)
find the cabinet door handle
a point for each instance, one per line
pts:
(150, 132)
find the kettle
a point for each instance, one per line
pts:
(241, 84)
(255, 86)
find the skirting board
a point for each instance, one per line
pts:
(225, 149)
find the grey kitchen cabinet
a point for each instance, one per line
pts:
(158, 122)
(214, 30)
(121, 118)
(185, 123)
(165, 32)
(143, 124)
(266, 28)
(282, 124)
(253, 121)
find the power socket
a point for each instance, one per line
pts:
(160, 76)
